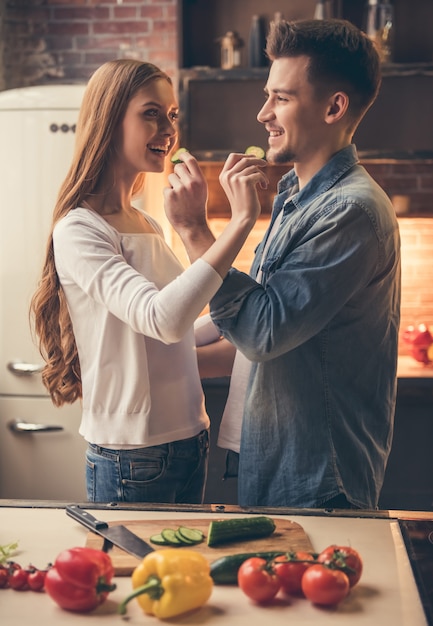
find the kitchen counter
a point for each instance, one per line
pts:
(387, 593)
(412, 370)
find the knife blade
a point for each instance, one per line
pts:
(120, 536)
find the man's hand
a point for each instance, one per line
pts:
(239, 178)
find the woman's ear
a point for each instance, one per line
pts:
(337, 107)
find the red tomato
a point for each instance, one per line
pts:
(290, 568)
(257, 580)
(4, 577)
(18, 579)
(36, 579)
(323, 585)
(345, 558)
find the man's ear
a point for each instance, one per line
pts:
(337, 107)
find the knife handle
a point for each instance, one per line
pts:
(85, 518)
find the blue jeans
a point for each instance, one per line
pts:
(171, 472)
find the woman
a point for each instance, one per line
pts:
(114, 309)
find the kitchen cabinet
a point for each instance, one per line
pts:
(409, 475)
(219, 107)
(218, 112)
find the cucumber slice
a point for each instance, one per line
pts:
(183, 541)
(256, 151)
(169, 535)
(182, 536)
(190, 535)
(175, 157)
(158, 540)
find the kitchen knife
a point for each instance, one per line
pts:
(120, 536)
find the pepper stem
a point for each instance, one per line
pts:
(152, 586)
(103, 587)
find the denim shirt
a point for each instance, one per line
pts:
(321, 330)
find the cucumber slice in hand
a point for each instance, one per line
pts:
(256, 151)
(175, 157)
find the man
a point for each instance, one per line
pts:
(316, 323)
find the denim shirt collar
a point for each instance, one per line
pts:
(322, 181)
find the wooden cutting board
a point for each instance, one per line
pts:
(287, 536)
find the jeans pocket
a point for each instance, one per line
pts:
(146, 470)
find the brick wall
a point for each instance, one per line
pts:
(48, 41)
(408, 183)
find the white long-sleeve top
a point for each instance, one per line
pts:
(132, 307)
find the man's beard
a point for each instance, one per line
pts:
(280, 156)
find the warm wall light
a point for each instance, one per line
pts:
(401, 203)
(416, 273)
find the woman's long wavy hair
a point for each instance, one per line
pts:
(104, 104)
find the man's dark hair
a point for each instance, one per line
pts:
(342, 58)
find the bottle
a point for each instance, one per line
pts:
(323, 10)
(380, 27)
(231, 46)
(257, 43)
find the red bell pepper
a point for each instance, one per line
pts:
(80, 579)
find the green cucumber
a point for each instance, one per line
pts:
(224, 571)
(239, 529)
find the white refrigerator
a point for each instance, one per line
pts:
(41, 452)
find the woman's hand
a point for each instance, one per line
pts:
(239, 178)
(186, 198)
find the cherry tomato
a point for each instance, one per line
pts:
(325, 586)
(345, 558)
(257, 580)
(36, 579)
(12, 565)
(18, 579)
(290, 568)
(4, 577)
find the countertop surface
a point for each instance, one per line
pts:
(387, 593)
(409, 368)
(409, 371)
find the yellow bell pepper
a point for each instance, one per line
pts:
(170, 582)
